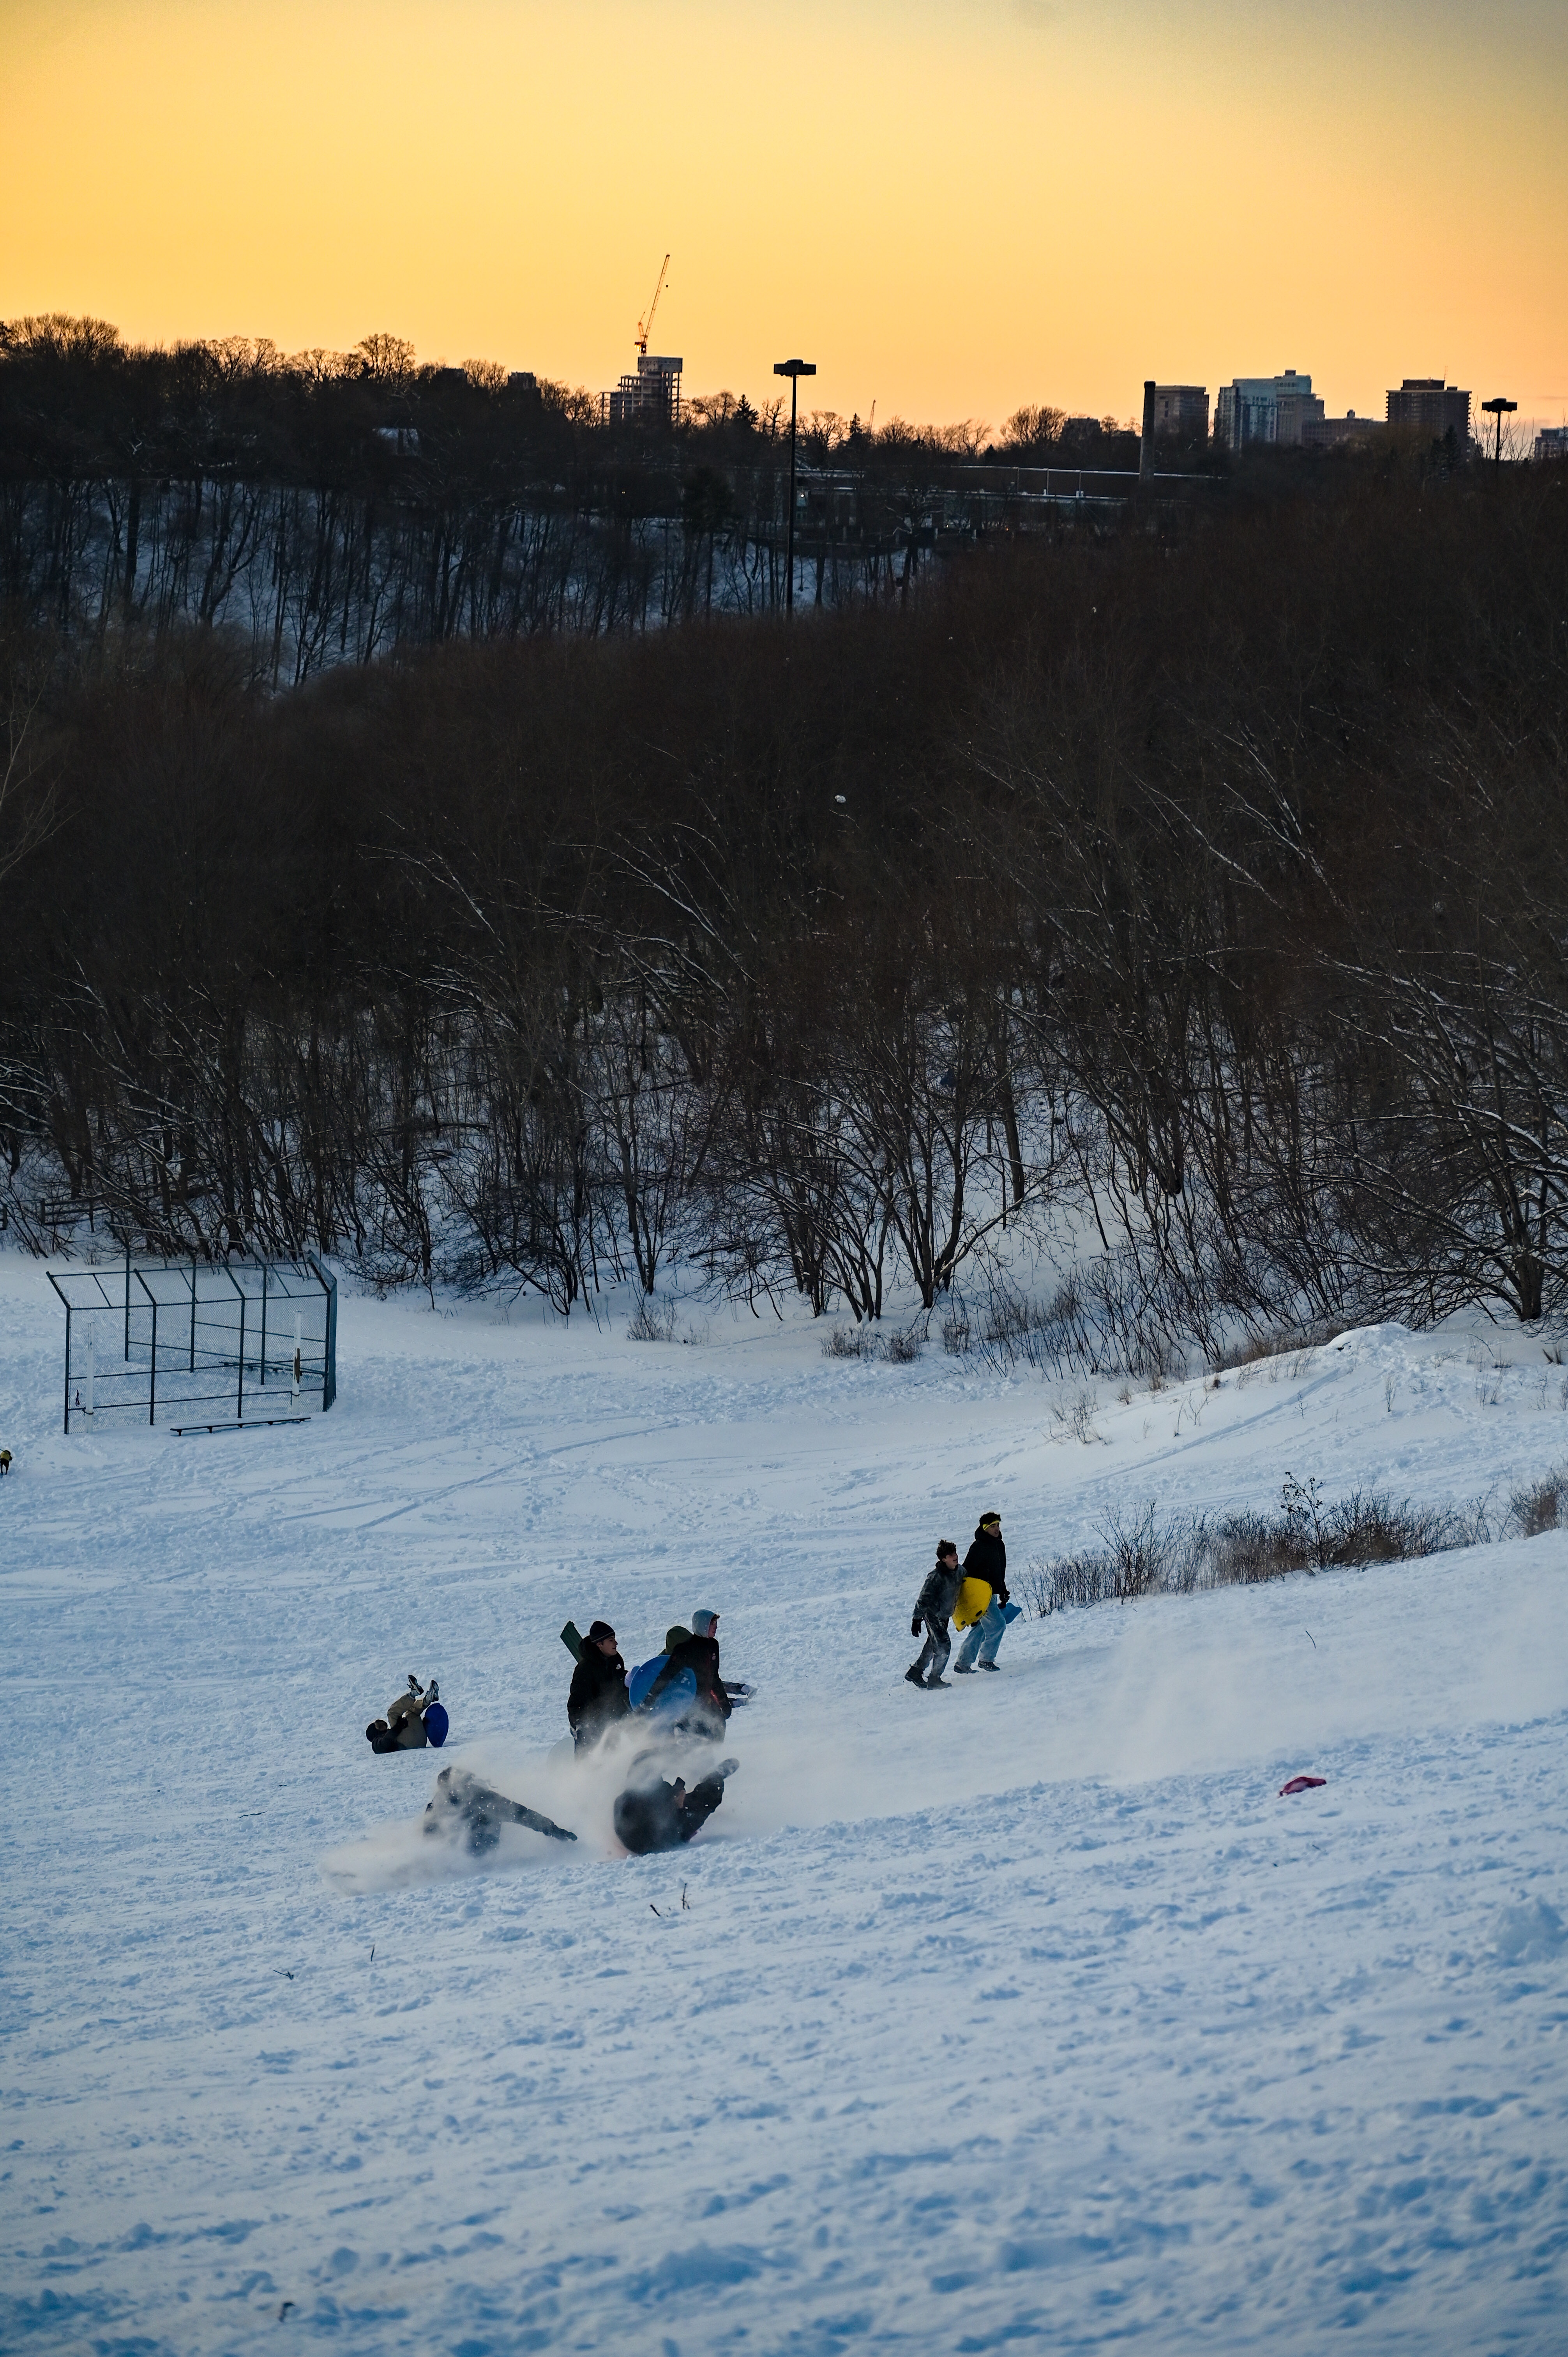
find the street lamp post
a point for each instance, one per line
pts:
(1497, 408)
(794, 370)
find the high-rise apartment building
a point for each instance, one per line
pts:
(653, 394)
(1253, 409)
(1427, 403)
(1181, 409)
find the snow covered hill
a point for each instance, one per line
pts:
(1025, 2015)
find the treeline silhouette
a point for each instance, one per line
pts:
(1192, 914)
(325, 507)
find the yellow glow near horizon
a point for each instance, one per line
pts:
(952, 209)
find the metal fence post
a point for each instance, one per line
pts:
(263, 1359)
(329, 1370)
(153, 1369)
(68, 1362)
(193, 1313)
(240, 1395)
(127, 1298)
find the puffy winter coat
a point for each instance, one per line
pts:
(701, 1656)
(686, 1677)
(598, 1696)
(987, 1560)
(939, 1593)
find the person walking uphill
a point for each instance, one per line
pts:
(933, 1610)
(986, 1561)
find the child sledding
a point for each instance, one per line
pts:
(657, 1812)
(465, 1809)
(679, 1698)
(414, 1719)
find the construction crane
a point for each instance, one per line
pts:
(645, 325)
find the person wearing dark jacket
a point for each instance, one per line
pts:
(599, 1696)
(698, 1652)
(933, 1610)
(986, 1560)
(654, 1815)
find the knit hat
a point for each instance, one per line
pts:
(704, 1624)
(600, 1629)
(676, 1636)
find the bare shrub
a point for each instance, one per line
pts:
(955, 1332)
(1076, 1417)
(899, 1349)
(1137, 1552)
(1541, 1506)
(1054, 1336)
(1190, 1547)
(651, 1321)
(1274, 1342)
(1057, 1583)
(1139, 1555)
(1251, 1547)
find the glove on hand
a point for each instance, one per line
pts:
(914, 1626)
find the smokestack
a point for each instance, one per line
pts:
(1146, 447)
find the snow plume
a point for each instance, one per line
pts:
(1124, 1697)
(433, 1845)
(576, 1791)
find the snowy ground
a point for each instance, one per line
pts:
(1025, 2015)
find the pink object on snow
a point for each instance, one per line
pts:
(1302, 1784)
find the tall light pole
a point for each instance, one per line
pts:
(794, 370)
(1497, 408)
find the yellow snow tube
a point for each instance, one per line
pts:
(974, 1598)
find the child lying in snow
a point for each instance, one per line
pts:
(660, 1815)
(413, 1719)
(463, 1806)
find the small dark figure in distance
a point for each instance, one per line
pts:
(660, 1815)
(414, 1719)
(598, 1697)
(987, 1563)
(4, 1462)
(461, 1806)
(933, 1609)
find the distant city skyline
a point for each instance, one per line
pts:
(954, 209)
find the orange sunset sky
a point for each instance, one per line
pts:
(952, 208)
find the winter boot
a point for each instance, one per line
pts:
(933, 1684)
(964, 1668)
(987, 1665)
(913, 1674)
